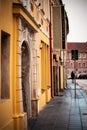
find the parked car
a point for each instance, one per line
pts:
(82, 76)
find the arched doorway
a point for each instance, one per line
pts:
(25, 65)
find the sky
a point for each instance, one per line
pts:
(77, 16)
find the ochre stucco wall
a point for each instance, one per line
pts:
(6, 121)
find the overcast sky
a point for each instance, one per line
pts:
(77, 15)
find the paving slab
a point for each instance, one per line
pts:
(67, 112)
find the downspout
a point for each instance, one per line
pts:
(50, 34)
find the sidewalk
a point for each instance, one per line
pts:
(64, 112)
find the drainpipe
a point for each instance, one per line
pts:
(50, 34)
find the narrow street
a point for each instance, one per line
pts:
(64, 112)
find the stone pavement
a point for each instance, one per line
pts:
(64, 112)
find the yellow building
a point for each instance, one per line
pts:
(25, 61)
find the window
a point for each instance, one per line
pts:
(72, 65)
(84, 55)
(79, 65)
(84, 64)
(5, 56)
(79, 55)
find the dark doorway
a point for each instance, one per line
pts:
(25, 76)
(55, 80)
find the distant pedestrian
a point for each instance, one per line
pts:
(72, 76)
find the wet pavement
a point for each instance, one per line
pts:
(64, 112)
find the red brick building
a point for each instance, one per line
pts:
(80, 65)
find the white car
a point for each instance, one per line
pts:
(82, 76)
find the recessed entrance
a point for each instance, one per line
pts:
(25, 75)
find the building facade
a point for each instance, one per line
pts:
(60, 29)
(32, 55)
(25, 61)
(80, 65)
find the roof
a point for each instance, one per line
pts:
(80, 46)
